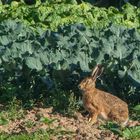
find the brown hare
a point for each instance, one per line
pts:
(102, 104)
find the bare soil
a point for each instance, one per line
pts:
(64, 128)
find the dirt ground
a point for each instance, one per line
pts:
(66, 128)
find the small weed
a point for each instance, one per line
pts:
(47, 120)
(29, 104)
(11, 112)
(29, 124)
(3, 121)
(64, 102)
(15, 110)
(7, 92)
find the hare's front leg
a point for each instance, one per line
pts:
(93, 117)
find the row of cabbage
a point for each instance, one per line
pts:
(34, 63)
(48, 15)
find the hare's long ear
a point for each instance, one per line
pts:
(97, 71)
(94, 72)
(100, 71)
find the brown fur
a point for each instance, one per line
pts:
(102, 104)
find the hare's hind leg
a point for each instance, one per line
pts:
(119, 118)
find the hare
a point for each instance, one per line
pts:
(102, 104)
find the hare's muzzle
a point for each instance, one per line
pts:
(79, 86)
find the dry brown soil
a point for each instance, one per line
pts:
(65, 128)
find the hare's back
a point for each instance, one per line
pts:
(112, 100)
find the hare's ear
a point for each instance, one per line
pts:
(100, 71)
(97, 71)
(94, 71)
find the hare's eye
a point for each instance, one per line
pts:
(89, 81)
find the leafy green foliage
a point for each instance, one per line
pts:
(112, 126)
(132, 133)
(31, 2)
(129, 133)
(34, 63)
(135, 111)
(23, 136)
(51, 15)
(39, 135)
(115, 3)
